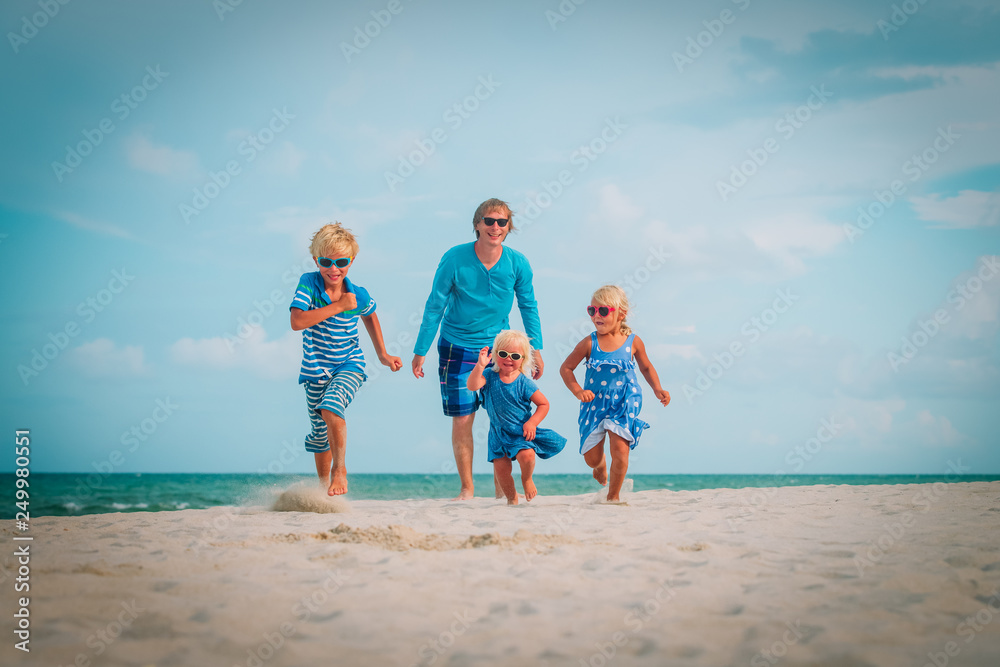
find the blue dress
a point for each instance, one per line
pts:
(509, 406)
(617, 396)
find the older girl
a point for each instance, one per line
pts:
(611, 398)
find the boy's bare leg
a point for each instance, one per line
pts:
(619, 465)
(594, 457)
(496, 487)
(323, 461)
(526, 457)
(501, 470)
(461, 444)
(336, 429)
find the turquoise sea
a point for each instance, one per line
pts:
(73, 494)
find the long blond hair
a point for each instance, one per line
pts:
(518, 340)
(615, 297)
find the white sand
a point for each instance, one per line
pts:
(672, 578)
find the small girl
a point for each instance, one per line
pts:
(611, 397)
(508, 392)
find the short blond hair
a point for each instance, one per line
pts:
(614, 296)
(519, 341)
(333, 240)
(490, 205)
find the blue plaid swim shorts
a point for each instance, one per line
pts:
(454, 365)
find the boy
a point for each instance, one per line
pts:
(326, 307)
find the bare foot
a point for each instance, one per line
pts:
(529, 489)
(465, 494)
(601, 473)
(514, 501)
(338, 483)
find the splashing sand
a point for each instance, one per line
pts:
(308, 499)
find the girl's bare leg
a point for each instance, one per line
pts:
(594, 457)
(619, 465)
(501, 469)
(526, 457)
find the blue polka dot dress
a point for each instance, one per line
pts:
(617, 396)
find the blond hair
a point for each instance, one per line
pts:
(490, 205)
(615, 297)
(518, 340)
(333, 240)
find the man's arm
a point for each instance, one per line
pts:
(524, 290)
(437, 301)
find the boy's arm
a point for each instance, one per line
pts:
(375, 333)
(541, 409)
(476, 380)
(647, 370)
(566, 371)
(303, 319)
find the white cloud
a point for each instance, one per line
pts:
(790, 237)
(103, 358)
(614, 208)
(937, 431)
(270, 359)
(667, 350)
(966, 210)
(92, 225)
(759, 438)
(301, 222)
(160, 159)
(285, 159)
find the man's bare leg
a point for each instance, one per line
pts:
(462, 444)
(336, 429)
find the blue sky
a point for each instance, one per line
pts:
(164, 165)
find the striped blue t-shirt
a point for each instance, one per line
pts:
(333, 345)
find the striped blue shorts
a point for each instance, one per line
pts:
(334, 395)
(454, 365)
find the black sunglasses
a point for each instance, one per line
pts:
(340, 262)
(603, 310)
(489, 222)
(503, 354)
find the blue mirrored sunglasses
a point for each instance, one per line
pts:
(340, 262)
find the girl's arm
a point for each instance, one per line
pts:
(476, 380)
(647, 370)
(375, 333)
(541, 409)
(579, 353)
